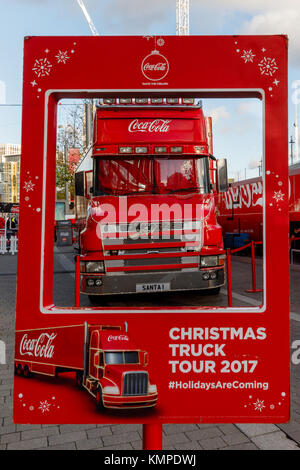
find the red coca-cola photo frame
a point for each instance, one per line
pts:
(212, 66)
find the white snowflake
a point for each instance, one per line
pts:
(248, 56)
(42, 67)
(278, 196)
(28, 186)
(259, 405)
(44, 406)
(160, 42)
(268, 66)
(62, 57)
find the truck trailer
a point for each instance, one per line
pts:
(106, 362)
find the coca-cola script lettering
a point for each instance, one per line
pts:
(155, 66)
(158, 125)
(40, 347)
(117, 338)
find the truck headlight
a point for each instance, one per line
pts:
(209, 261)
(152, 389)
(94, 267)
(111, 390)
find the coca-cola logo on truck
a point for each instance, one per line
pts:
(39, 347)
(118, 338)
(155, 66)
(158, 125)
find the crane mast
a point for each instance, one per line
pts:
(182, 17)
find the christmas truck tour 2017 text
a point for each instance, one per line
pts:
(197, 349)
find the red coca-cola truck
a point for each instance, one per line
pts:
(240, 209)
(106, 362)
(145, 200)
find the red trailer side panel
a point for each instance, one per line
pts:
(44, 350)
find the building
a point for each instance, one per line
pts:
(10, 155)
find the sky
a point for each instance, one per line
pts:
(236, 123)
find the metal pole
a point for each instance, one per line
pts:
(253, 270)
(77, 282)
(229, 278)
(152, 436)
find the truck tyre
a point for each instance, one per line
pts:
(94, 299)
(79, 379)
(19, 370)
(99, 401)
(214, 291)
(27, 374)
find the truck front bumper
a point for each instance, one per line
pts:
(147, 282)
(140, 401)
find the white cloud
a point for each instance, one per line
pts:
(278, 22)
(218, 113)
(2, 92)
(252, 6)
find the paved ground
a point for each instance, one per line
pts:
(117, 437)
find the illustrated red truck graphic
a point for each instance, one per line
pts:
(106, 361)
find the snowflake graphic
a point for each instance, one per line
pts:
(42, 67)
(259, 405)
(248, 56)
(268, 66)
(160, 42)
(62, 57)
(28, 186)
(278, 196)
(44, 406)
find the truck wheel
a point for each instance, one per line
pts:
(27, 372)
(214, 291)
(94, 299)
(79, 379)
(99, 401)
(19, 370)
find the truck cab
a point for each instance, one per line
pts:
(148, 222)
(116, 371)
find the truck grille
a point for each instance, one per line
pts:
(135, 383)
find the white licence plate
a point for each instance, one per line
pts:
(153, 287)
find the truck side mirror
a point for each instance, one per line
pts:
(79, 183)
(146, 359)
(222, 178)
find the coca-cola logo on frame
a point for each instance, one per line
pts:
(155, 66)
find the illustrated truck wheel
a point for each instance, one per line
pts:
(27, 372)
(99, 401)
(19, 370)
(79, 378)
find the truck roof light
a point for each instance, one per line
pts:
(125, 100)
(188, 100)
(199, 149)
(176, 149)
(160, 149)
(156, 100)
(109, 100)
(173, 100)
(141, 150)
(141, 100)
(100, 149)
(125, 149)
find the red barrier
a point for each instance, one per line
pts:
(254, 289)
(77, 282)
(152, 437)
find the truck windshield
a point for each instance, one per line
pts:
(121, 176)
(122, 357)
